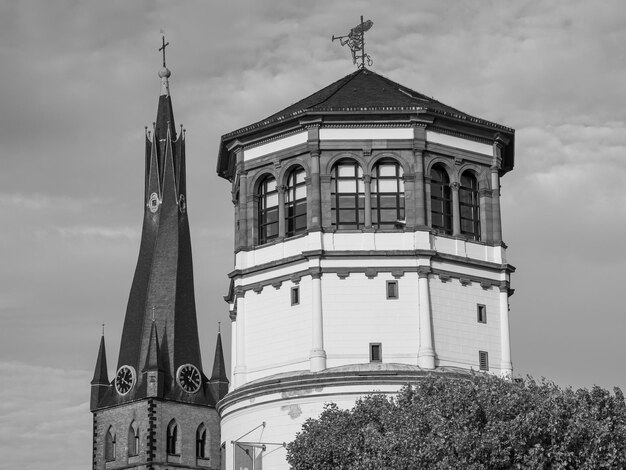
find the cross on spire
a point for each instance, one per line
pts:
(162, 48)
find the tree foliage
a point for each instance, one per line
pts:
(479, 422)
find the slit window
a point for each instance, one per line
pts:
(376, 352)
(295, 295)
(483, 360)
(392, 289)
(481, 313)
(109, 446)
(172, 443)
(201, 442)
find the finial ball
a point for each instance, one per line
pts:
(165, 72)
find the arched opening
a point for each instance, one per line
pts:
(469, 206)
(347, 195)
(387, 194)
(295, 202)
(201, 442)
(133, 439)
(109, 445)
(173, 444)
(267, 210)
(440, 200)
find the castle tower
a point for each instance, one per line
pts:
(159, 412)
(368, 252)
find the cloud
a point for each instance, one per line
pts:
(111, 233)
(45, 417)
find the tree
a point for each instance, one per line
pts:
(478, 422)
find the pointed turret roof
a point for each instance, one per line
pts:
(153, 357)
(219, 378)
(100, 374)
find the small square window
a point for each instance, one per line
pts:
(483, 360)
(295, 295)
(392, 289)
(376, 352)
(481, 313)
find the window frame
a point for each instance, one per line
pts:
(263, 211)
(396, 295)
(172, 442)
(483, 360)
(110, 445)
(481, 313)
(292, 203)
(380, 352)
(295, 295)
(338, 198)
(201, 442)
(376, 195)
(470, 201)
(446, 213)
(133, 439)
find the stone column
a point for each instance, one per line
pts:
(233, 346)
(243, 210)
(281, 210)
(368, 200)
(420, 194)
(456, 210)
(317, 357)
(506, 366)
(239, 372)
(426, 352)
(484, 196)
(429, 214)
(495, 201)
(315, 198)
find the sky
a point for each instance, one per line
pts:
(79, 83)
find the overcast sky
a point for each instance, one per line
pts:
(79, 83)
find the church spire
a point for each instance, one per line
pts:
(160, 331)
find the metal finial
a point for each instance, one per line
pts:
(219, 326)
(103, 329)
(153, 308)
(355, 40)
(162, 48)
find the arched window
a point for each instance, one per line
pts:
(440, 200)
(268, 210)
(201, 442)
(387, 192)
(347, 195)
(173, 446)
(109, 445)
(295, 203)
(469, 206)
(133, 439)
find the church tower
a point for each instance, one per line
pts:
(368, 253)
(159, 412)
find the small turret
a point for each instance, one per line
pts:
(100, 382)
(219, 380)
(153, 369)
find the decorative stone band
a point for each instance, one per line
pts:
(278, 388)
(371, 273)
(360, 254)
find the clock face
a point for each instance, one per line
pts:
(124, 379)
(189, 378)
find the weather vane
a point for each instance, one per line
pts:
(355, 40)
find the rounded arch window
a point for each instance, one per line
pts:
(173, 444)
(469, 206)
(347, 195)
(267, 210)
(387, 194)
(440, 200)
(295, 202)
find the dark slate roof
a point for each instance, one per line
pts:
(219, 378)
(364, 90)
